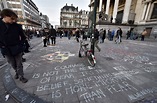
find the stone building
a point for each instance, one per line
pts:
(84, 18)
(71, 17)
(137, 14)
(44, 21)
(26, 10)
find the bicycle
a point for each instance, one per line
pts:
(84, 51)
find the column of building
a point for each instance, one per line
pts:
(144, 11)
(107, 7)
(100, 5)
(115, 10)
(148, 10)
(126, 11)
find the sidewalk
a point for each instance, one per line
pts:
(124, 73)
(18, 94)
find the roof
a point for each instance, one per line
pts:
(67, 8)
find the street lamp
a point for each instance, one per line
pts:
(93, 25)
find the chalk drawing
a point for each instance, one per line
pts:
(120, 68)
(152, 63)
(97, 81)
(56, 94)
(33, 101)
(21, 94)
(52, 86)
(142, 93)
(65, 76)
(137, 58)
(36, 75)
(8, 78)
(69, 66)
(89, 96)
(58, 56)
(149, 69)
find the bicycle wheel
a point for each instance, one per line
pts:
(91, 59)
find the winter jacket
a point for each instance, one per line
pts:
(11, 34)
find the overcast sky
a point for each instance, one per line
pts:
(52, 8)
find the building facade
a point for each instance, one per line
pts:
(44, 21)
(139, 14)
(84, 18)
(26, 10)
(70, 17)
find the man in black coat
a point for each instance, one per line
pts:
(53, 35)
(119, 36)
(12, 41)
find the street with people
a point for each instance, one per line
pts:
(103, 55)
(124, 73)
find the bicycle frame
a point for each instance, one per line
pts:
(86, 52)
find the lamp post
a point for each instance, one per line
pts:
(93, 25)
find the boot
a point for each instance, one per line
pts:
(16, 76)
(23, 80)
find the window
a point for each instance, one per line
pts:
(154, 13)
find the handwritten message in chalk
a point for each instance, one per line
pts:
(87, 83)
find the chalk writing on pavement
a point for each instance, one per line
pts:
(78, 79)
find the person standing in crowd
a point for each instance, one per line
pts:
(128, 34)
(96, 39)
(53, 35)
(118, 35)
(112, 35)
(101, 32)
(109, 34)
(60, 33)
(12, 42)
(143, 34)
(131, 34)
(104, 36)
(69, 34)
(44, 37)
(77, 33)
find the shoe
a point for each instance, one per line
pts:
(16, 76)
(23, 60)
(45, 46)
(23, 80)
